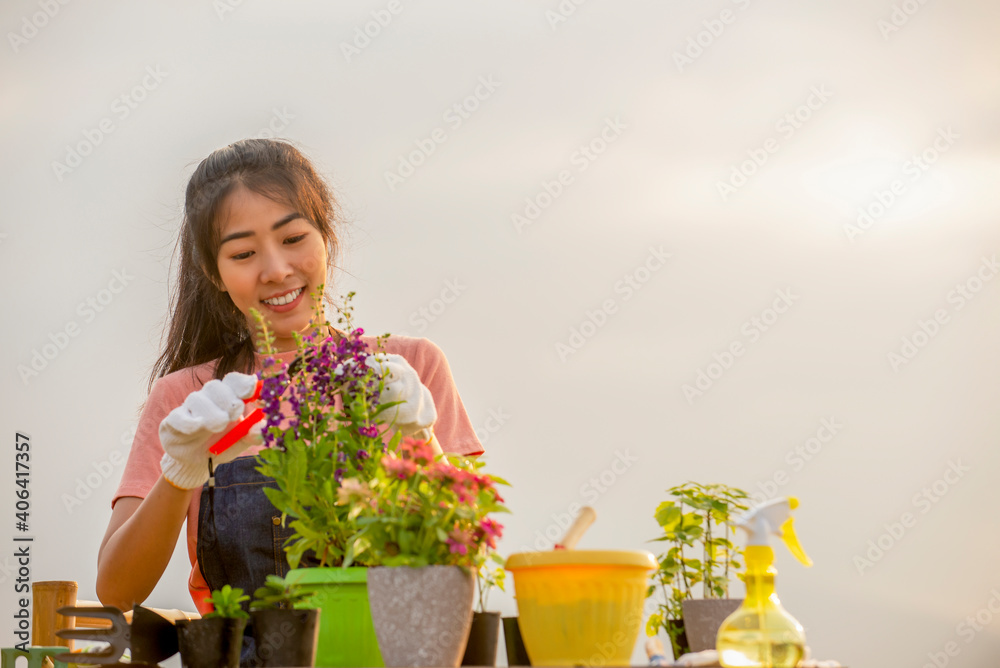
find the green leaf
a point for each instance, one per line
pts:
(654, 623)
(668, 516)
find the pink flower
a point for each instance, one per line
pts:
(419, 451)
(491, 527)
(454, 547)
(463, 493)
(399, 468)
(442, 471)
(491, 530)
(459, 540)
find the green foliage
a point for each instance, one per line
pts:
(700, 557)
(279, 593)
(330, 439)
(419, 510)
(350, 497)
(487, 579)
(226, 603)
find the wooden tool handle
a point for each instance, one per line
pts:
(576, 530)
(169, 615)
(97, 623)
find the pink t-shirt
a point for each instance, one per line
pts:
(452, 428)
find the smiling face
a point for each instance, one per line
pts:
(271, 258)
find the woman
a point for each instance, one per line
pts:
(258, 233)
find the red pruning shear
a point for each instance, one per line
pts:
(242, 427)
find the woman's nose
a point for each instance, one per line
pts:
(276, 267)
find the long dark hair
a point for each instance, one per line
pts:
(204, 322)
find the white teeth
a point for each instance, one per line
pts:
(285, 299)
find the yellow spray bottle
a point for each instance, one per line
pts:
(760, 634)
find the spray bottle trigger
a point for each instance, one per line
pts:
(792, 542)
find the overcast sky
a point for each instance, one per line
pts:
(688, 236)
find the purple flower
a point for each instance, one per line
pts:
(270, 396)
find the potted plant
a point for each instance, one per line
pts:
(215, 640)
(701, 558)
(425, 529)
(334, 431)
(285, 630)
(328, 460)
(481, 649)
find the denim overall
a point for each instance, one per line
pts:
(240, 536)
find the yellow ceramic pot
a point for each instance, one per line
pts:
(580, 606)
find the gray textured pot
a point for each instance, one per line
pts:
(703, 617)
(421, 615)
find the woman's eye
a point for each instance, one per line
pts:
(242, 256)
(296, 239)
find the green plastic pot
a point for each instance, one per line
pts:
(346, 634)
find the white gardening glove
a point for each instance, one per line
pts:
(401, 383)
(187, 430)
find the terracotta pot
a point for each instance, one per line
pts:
(421, 615)
(285, 637)
(703, 617)
(481, 650)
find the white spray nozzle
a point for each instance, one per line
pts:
(773, 518)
